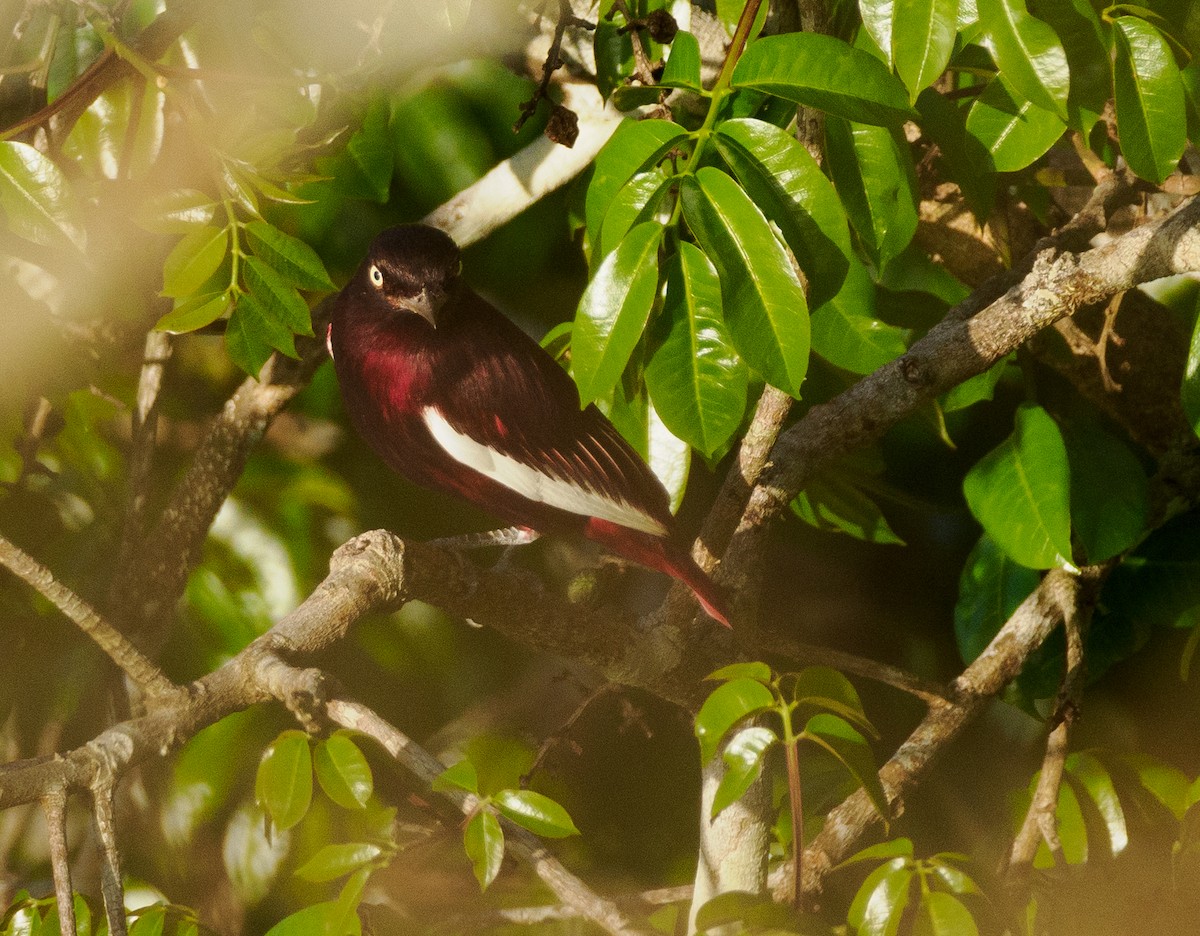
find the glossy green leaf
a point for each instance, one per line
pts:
(1190, 391)
(635, 146)
(461, 775)
(483, 840)
(880, 902)
(1028, 53)
(253, 334)
(953, 877)
(756, 670)
(916, 37)
(990, 588)
(943, 914)
(178, 211)
(535, 812)
(293, 259)
(1020, 492)
(979, 388)
(826, 73)
(824, 688)
(763, 300)
(1014, 132)
(725, 706)
(343, 771)
(873, 172)
(784, 181)
(334, 861)
(150, 921)
(1098, 783)
(614, 310)
(193, 260)
(846, 331)
(277, 296)
(683, 65)
(637, 202)
(743, 763)
(36, 198)
(1110, 493)
(836, 736)
(1151, 109)
(696, 380)
(893, 848)
(194, 312)
(283, 785)
(1086, 41)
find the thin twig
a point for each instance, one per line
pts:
(557, 736)
(553, 62)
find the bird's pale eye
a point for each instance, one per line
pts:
(376, 275)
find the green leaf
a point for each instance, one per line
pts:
(1095, 779)
(1167, 784)
(846, 331)
(695, 379)
(953, 877)
(252, 334)
(965, 158)
(977, 389)
(535, 812)
(36, 198)
(1020, 492)
(194, 312)
(277, 296)
(637, 202)
(334, 861)
(1028, 53)
(743, 763)
(825, 73)
(683, 67)
(874, 175)
(289, 256)
(369, 152)
(756, 913)
(1087, 45)
(461, 775)
(943, 914)
(283, 786)
(916, 37)
(636, 145)
(483, 840)
(727, 705)
(343, 771)
(1110, 493)
(836, 736)
(614, 310)
(1015, 132)
(1151, 111)
(991, 587)
(824, 688)
(762, 297)
(1072, 830)
(879, 904)
(193, 260)
(784, 181)
(179, 211)
(322, 919)
(892, 848)
(757, 671)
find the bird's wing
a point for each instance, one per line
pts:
(512, 414)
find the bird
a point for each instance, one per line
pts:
(454, 396)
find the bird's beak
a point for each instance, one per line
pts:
(423, 305)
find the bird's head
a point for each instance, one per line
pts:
(412, 268)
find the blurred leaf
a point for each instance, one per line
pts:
(1151, 115)
(683, 66)
(193, 260)
(695, 378)
(614, 310)
(635, 146)
(461, 775)
(483, 840)
(535, 812)
(1020, 492)
(277, 297)
(194, 312)
(1072, 831)
(743, 763)
(892, 848)
(825, 73)
(290, 257)
(252, 859)
(784, 181)
(1015, 132)
(846, 331)
(343, 771)
(1028, 53)
(369, 153)
(834, 503)
(338, 859)
(953, 877)
(1167, 784)
(203, 776)
(757, 913)
(1095, 779)
(36, 198)
(757, 671)
(943, 914)
(836, 736)
(761, 296)
(177, 211)
(322, 919)
(825, 688)
(120, 135)
(725, 706)
(991, 587)
(879, 904)
(873, 172)
(438, 145)
(283, 786)
(1110, 494)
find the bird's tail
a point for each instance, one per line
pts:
(664, 555)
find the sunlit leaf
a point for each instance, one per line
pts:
(1015, 132)
(1028, 53)
(193, 260)
(1096, 780)
(535, 812)
(725, 706)
(683, 66)
(943, 914)
(337, 859)
(846, 331)
(461, 775)
(483, 840)
(343, 771)
(743, 763)
(836, 736)
(879, 904)
(293, 259)
(36, 198)
(636, 145)
(284, 783)
(1151, 115)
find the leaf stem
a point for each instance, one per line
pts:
(791, 747)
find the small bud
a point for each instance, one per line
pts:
(563, 126)
(662, 26)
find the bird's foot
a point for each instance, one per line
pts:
(509, 536)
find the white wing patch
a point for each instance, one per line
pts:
(533, 483)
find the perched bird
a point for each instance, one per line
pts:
(455, 397)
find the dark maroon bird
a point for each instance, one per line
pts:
(455, 397)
